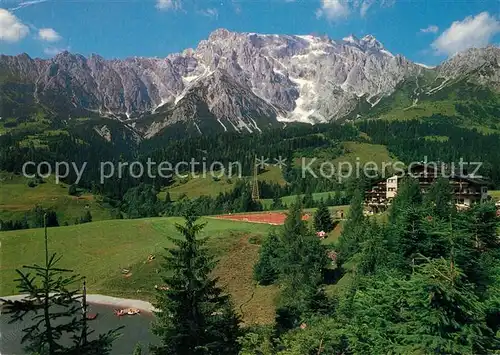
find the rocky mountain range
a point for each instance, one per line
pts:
(233, 81)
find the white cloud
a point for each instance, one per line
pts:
(52, 51)
(168, 4)
(26, 4)
(365, 6)
(333, 9)
(471, 32)
(11, 28)
(48, 34)
(387, 3)
(430, 29)
(212, 13)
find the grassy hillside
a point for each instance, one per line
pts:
(420, 110)
(209, 186)
(196, 187)
(358, 154)
(272, 174)
(101, 250)
(365, 152)
(468, 104)
(17, 198)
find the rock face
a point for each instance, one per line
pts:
(480, 65)
(234, 81)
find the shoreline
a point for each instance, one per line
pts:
(104, 301)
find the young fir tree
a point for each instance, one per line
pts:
(477, 247)
(413, 230)
(266, 269)
(308, 200)
(374, 254)
(353, 231)
(409, 196)
(195, 316)
(439, 199)
(277, 203)
(56, 311)
(432, 311)
(322, 219)
(301, 263)
(446, 316)
(338, 198)
(330, 201)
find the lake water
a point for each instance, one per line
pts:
(136, 329)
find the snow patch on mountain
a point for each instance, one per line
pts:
(245, 81)
(425, 66)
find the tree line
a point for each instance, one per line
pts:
(412, 140)
(408, 141)
(39, 217)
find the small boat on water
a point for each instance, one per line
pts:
(132, 311)
(92, 316)
(119, 312)
(126, 311)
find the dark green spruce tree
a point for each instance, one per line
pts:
(195, 316)
(266, 270)
(277, 203)
(141, 201)
(375, 250)
(308, 200)
(338, 198)
(301, 263)
(350, 239)
(409, 196)
(439, 199)
(323, 219)
(446, 316)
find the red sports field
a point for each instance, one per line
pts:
(274, 218)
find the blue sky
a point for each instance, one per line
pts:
(426, 31)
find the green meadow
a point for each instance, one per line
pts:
(101, 251)
(113, 256)
(17, 199)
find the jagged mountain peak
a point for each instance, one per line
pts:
(366, 43)
(369, 38)
(67, 54)
(244, 79)
(371, 42)
(219, 33)
(479, 65)
(473, 57)
(351, 39)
